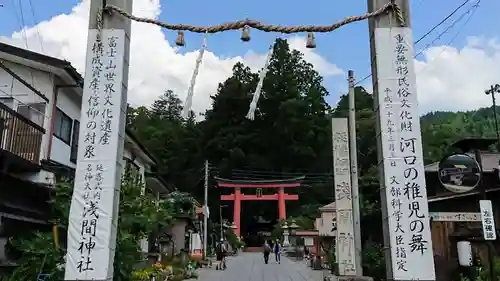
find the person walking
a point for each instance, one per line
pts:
(267, 251)
(277, 251)
(221, 252)
(306, 252)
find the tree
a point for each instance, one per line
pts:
(173, 140)
(291, 131)
(167, 107)
(138, 216)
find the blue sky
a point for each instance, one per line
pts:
(347, 47)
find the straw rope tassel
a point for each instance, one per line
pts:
(256, 94)
(190, 93)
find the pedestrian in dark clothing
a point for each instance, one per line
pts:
(267, 252)
(277, 251)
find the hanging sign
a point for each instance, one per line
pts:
(487, 219)
(455, 217)
(93, 214)
(259, 192)
(406, 208)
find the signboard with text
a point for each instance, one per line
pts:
(343, 198)
(406, 213)
(455, 217)
(488, 220)
(93, 213)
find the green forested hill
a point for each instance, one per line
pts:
(440, 129)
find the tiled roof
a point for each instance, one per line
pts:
(329, 207)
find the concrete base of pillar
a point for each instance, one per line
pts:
(332, 277)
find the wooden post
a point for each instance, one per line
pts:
(237, 211)
(407, 234)
(353, 155)
(205, 212)
(93, 217)
(281, 204)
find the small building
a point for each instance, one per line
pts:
(456, 216)
(310, 239)
(40, 107)
(326, 226)
(184, 234)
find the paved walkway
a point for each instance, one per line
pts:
(251, 267)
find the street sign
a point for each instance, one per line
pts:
(459, 173)
(489, 232)
(455, 217)
(259, 192)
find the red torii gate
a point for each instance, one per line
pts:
(237, 196)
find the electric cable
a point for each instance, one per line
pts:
(426, 34)
(35, 21)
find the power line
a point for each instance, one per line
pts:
(471, 13)
(235, 176)
(427, 33)
(19, 23)
(252, 176)
(24, 35)
(274, 173)
(36, 25)
(23, 29)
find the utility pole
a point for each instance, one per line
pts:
(494, 89)
(221, 224)
(205, 212)
(405, 210)
(353, 151)
(93, 216)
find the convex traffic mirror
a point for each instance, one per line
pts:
(459, 173)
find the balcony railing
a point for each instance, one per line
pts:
(19, 135)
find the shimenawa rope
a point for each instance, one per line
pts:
(241, 24)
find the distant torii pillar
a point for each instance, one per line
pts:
(237, 196)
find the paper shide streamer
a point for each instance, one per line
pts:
(189, 98)
(258, 90)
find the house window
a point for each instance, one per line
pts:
(62, 126)
(74, 141)
(33, 111)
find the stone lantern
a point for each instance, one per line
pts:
(292, 228)
(286, 234)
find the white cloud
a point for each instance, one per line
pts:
(319, 62)
(447, 78)
(455, 79)
(155, 65)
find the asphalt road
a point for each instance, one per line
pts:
(251, 267)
